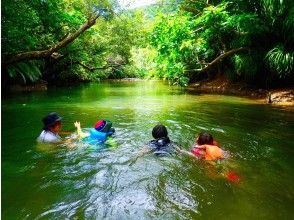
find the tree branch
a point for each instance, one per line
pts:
(92, 69)
(40, 54)
(219, 58)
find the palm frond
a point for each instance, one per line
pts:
(280, 61)
(25, 70)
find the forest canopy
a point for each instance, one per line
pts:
(178, 40)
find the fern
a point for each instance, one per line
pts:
(275, 8)
(246, 66)
(26, 70)
(279, 61)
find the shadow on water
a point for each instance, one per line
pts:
(46, 182)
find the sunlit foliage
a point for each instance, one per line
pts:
(203, 30)
(174, 40)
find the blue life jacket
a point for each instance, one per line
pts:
(100, 136)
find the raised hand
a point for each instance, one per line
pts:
(77, 125)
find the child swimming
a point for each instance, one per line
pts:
(206, 148)
(161, 145)
(102, 129)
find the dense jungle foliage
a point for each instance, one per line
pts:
(178, 40)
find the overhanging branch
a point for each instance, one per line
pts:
(40, 54)
(92, 69)
(219, 58)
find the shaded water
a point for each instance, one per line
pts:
(57, 183)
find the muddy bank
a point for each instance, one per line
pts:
(41, 85)
(123, 80)
(281, 96)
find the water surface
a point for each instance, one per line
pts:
(107, 183)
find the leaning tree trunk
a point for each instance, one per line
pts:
(41, 54)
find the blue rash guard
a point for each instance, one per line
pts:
(162, 147)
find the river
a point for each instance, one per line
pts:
(107, 183)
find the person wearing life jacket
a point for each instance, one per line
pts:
(102, 129)
(161, 145)
(206, 148)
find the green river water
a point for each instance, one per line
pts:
(47, 182)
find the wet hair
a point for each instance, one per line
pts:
(159, 131)
(204, 138)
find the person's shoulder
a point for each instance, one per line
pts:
(41, 135)
(216, 147)
(151, 144)
(211, 148)
(47, 136)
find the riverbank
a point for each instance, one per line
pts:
(281, 96)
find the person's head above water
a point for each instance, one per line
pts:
(159, 131)
(52, 122)
(204, 138)
(103, 126)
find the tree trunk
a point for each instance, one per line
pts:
(40, 54)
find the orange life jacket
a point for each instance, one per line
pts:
(213, 152)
